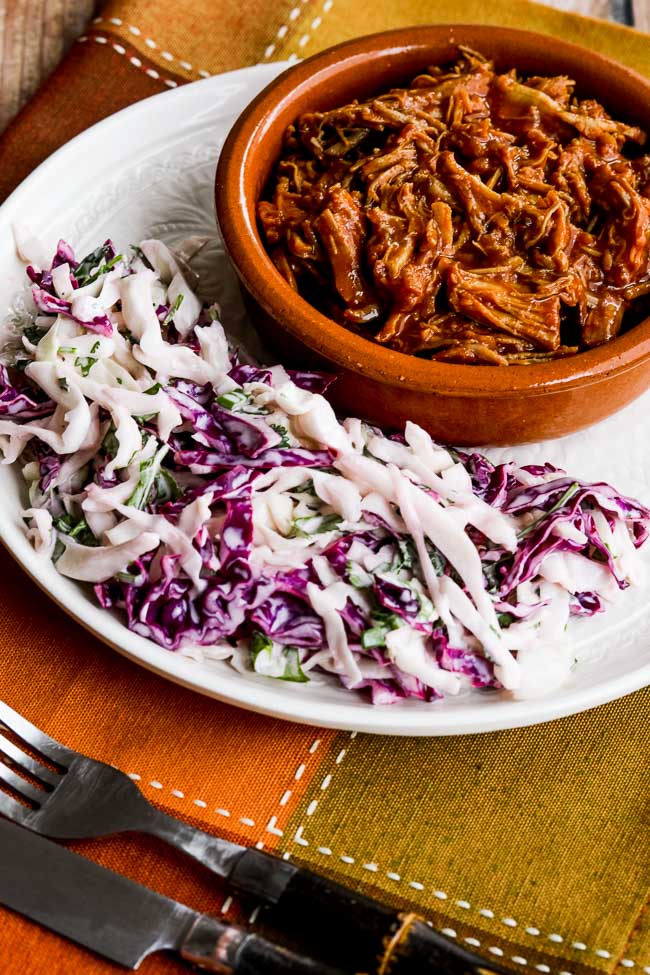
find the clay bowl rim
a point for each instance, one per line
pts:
(325, 336)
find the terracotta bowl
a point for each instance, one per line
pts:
(456, 403)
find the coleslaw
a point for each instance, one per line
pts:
(223, 508)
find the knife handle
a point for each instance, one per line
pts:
(228, 950)
(346, 928)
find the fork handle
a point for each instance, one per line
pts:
(347, 928)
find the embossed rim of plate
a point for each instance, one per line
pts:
(142, 127)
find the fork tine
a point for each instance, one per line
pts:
(27, 763)
(13, 809)
(52, 749)
(21, 785)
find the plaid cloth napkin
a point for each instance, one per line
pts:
(530, 845)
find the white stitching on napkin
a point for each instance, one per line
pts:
(283, 30)
(313, 805)
(271, 826)
(315, 24)
(136, 62)
(415, 884)
(153, 45)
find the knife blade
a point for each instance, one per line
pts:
(122, 920)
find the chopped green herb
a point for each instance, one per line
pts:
(95, 264)
(376, 637)
(85, 365)
(145, 417)
(357, 576)
(427, 610)
(64, 523)
(505, 620)
(405, 556)
(260, 643)
(314, 525)
(95, 348)
(251, 409)
(110, 443)
(493, 574)
(148, 470)
(126, 576)
(293, 671)
(438, 561)
(104, 269)
(383, 621)
(306, 488)
(386, 619)
(167, 487)
(63, 384)
(272, 660)
(282, 432)
(91, 261)
(568, 494)
(75, 528)
(232, 399)
(172, 311)
(156, 482)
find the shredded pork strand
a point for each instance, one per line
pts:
(471, 217)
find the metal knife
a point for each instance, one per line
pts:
(123, 921)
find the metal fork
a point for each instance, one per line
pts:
(88, 798)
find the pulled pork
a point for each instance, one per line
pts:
(472, 217)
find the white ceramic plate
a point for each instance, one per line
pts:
(148, 171)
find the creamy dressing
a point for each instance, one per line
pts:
(104, 561)
(408, 649)
(62, 281)
(327, 603)
(40, 532)
(151, 349)
(172, 536)
(341, 495)
(575, 573)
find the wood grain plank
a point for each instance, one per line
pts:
(10, 68)
(34, 36)
(641, 13)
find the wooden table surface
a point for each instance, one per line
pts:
(35, 34)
